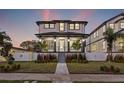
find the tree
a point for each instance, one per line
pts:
(76, 45)
(5, 42)
(26, 45)
(110, 37)
(42, 47)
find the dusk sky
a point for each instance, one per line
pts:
(20, 24)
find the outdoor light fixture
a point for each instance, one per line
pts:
(40, 40)
(83, 40)
(54, 40)
(68, 40)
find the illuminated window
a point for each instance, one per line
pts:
(52, 25)
(62, 26)
(46, 25)
(111, 26)
(94, 47)
(103, 45)
(122, 25)
(94, 35)
(121, 44)
(77, 26)
(71, 26)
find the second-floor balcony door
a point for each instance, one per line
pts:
(61, 27)
(61, 45)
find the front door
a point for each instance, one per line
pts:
(61, 45)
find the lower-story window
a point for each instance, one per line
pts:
(94, 47)
(50, 44)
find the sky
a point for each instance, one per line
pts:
(20, 24)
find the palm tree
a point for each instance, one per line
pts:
(76, 45)
(42, 47)
(110, 37)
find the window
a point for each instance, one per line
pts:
(122, 25)
(103, 45)
(46, 25)
(50, 44)
(62, 26)
(71, 26)
(52, 25)
(94, 47)
(77, 26)
(97, 33)
(111, 26)
(94, 35)
(103, 29)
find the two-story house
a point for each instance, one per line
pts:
(96, 42)
(60, 35)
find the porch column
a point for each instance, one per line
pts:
(54, 44)
(68, 44)
(83, 45)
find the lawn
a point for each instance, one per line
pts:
(31, 67)
(23, 81)
(91, 67)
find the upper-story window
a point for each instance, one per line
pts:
(52, 25)
(122, 24)
(97, 33)
(71, 26)
(46, 25)
(62, 26)
(103, 29)
(111, 26)
(94, 35)
(49, 26)
(77, 26)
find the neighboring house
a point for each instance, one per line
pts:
(97, 45)
(60, 35)
(23, 54)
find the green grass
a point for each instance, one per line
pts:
(91, 67)
(31, 67)
(22, 81)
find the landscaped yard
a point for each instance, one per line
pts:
(92, 67)
(31, 67)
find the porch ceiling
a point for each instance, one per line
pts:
(62, 34)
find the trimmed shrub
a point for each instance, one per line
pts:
(119, 58)
(109, 69)
(111, 58)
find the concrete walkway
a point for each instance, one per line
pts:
(63, 78)
(61, 69)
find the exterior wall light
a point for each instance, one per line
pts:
(40, 40)
(83, 40)
(54, 40)
(68, 40)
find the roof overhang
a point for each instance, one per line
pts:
(61, 34)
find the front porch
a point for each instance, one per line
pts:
(62, 42)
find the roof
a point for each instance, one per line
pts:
(65, 21)
(122, 14)
(20, 49)
(63, 34)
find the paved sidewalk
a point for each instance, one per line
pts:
(63, 78)
(61, 69)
